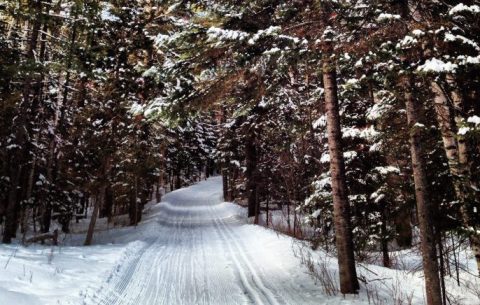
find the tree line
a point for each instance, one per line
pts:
(70, 75)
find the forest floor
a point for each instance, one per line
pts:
(194, 249)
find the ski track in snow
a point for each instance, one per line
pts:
(206, 254)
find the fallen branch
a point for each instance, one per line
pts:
(45, 236)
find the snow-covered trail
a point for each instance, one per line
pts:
(205, 253)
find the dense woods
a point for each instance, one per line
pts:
(359, 120)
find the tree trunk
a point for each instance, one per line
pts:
(456, 151)
(20, 158)
(257, 205)
(178, 180)
(225, 182)
(109, 203)
(424, 208)
(93, 219)
(384, 241)
(343, 228)
(158, 193)
(268, 201)
(232, 173)
(403, 228)
(12, 206)
(471, 204)
(251, 160)
(134, 206)
(26, 209)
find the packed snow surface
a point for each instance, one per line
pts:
(203, 252)
(190, 249)
(194, 249)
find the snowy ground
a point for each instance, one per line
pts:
(192, 249)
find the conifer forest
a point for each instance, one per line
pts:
(227, 152)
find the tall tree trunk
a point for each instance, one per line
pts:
(403, 228)
(225, 179)
(20, 158)
(384, 240)
(93, 220)
(471, 204)
(424, 207)
(11, 209)
(161, 178)
(251, 173)
(231, 183)
(343, 228)
(456, 151)
(26, 209)
(134, 206)
(178, 179)
(100, 198)
(109, 203)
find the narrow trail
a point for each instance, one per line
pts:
(205, 253)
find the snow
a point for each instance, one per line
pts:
(328, 33)
(351, 84)
(377, 111)
(161, 40)
(472, 126)
(385, 170)
(325, 158)
(151, 72)
(270, 31)
(272, 51)
(106, 14)
(463, 130)
(363, 133)
(418, 33)
(351, 132)
(316, 213)
(407, 42)
(215, 34)
(385, 16)
(437, 65)
(322, 183)
(451, 38)
(347, 155)
(460, 8)
(193, 248)
(474, 120)
(469, 60)
(203, 252)
(50, 275)
(190, 249)
(320, 122)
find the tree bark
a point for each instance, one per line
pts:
(384, 240)
(109, 203)
(456, 151)
(12, 206)
(403, 228)
(424, 208)
(341, 206)
(232, 178)
(96, 208)
(251, 160)
(20, 158)
(225, 180)
(133, 209)
(26, 209)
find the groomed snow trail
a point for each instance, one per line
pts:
(204, 253)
